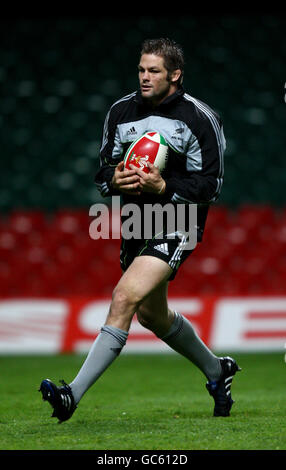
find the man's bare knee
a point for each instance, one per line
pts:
(122, 308)
(123, 303)
(129, 293)
(123, 298)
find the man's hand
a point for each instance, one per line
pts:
(151, 182)
(126, 181)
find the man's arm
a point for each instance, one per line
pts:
(112, 178)
(203, 176)
(110, 156)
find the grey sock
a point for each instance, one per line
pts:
(182, 338)
(104, 350)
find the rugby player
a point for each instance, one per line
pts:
(193, 175)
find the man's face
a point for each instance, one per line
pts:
(153, 78)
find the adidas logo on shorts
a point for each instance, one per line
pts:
(163, 248)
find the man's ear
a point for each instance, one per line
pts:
(175, 76)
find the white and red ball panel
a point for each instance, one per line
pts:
(150, 147)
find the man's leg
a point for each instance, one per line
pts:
(175, 330)
(142, 277)
(178, 333)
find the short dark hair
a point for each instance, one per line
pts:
(171, 52)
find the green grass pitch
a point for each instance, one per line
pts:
(142, 402)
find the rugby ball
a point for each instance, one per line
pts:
(150, 147)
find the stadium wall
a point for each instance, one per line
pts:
(70, 324)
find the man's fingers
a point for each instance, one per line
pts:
(130, 187)
(120, 166)
(133, 189)
(127, 173)
(124, 173)
(139, 172)
(153, 168)
(128, 180)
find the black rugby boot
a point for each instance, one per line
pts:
(220, 389)
(60, 398)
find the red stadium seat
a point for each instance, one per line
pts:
(251, 216)
(71, 221)
(25, 221)
(9, 243)
(243, 251)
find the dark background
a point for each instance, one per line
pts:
(59, 75)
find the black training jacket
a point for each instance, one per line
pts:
(194, 133)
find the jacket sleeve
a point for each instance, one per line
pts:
(201, 181)
(110, 154)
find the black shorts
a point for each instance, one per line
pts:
(169, 249)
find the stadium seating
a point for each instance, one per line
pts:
(59, 77)
(243, 252)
